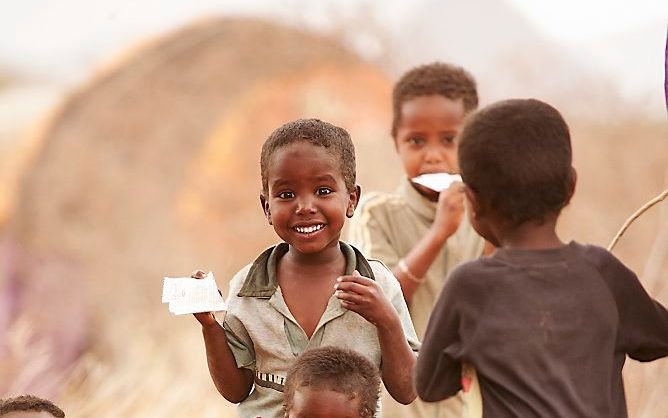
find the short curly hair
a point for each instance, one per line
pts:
(516, 156)
(314, 131)
(339, 370)
(29, 403)
(447, 80)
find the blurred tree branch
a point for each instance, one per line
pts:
(635, 216)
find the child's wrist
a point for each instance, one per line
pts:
(439, 234)
(211, 322)
(391, 324)
(403, 267)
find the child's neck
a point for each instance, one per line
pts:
(532, 235)
(307, 283)
(328, 256)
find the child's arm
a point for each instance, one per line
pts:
(232, 382)
(365, 297)
(438, 370)
(643, 322)
(449, 213)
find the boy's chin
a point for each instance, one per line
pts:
(312, 247)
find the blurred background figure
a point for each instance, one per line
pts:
(129, 136)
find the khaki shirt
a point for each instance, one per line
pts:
(387, 226)
(265, 337)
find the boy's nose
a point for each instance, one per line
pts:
(305, 207)
(433, 155)
(438, 158)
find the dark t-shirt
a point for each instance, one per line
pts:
(547, 331)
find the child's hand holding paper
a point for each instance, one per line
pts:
(197, 295)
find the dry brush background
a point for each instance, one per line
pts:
(152, 168)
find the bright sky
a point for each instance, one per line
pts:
(581, 20)
(68, 36)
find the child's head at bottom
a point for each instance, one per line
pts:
(331, 382)
(308, 183)
(516, 161)
(29, 406)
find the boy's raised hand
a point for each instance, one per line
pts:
(364, 296)
(449, 210)
(204, 318)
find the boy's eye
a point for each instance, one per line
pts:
(448, 140)
(322, 191)
(415, 141)
(286, 195)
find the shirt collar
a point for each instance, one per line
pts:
(418, 203)
(544, 256)
(261, 279)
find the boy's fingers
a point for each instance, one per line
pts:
(355, 278)
(349, 297)
(456, 186)
(351, 287)
(197, 274)
(348, 305)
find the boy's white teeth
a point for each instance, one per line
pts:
(309, 229)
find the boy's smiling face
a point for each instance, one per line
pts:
(323, 403)
(425, 139)
(307, 200)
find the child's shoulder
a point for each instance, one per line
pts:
(237, 281)
(479, 268)
(593, 252)
(381, 272)
(598, 257)
(609, 267)
(384, 277)
(253, 278)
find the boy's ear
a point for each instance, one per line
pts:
(573, 182)
(354, 200)
(265, 207)
(474, 203)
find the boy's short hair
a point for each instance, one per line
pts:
(516, 156)
(447, 80)
(339, 370)
(314, 131)
(29, 403)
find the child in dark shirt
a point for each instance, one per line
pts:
(331, 382)
(547, 325)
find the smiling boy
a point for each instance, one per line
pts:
(310, 290)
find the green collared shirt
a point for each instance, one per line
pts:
(265, 337)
